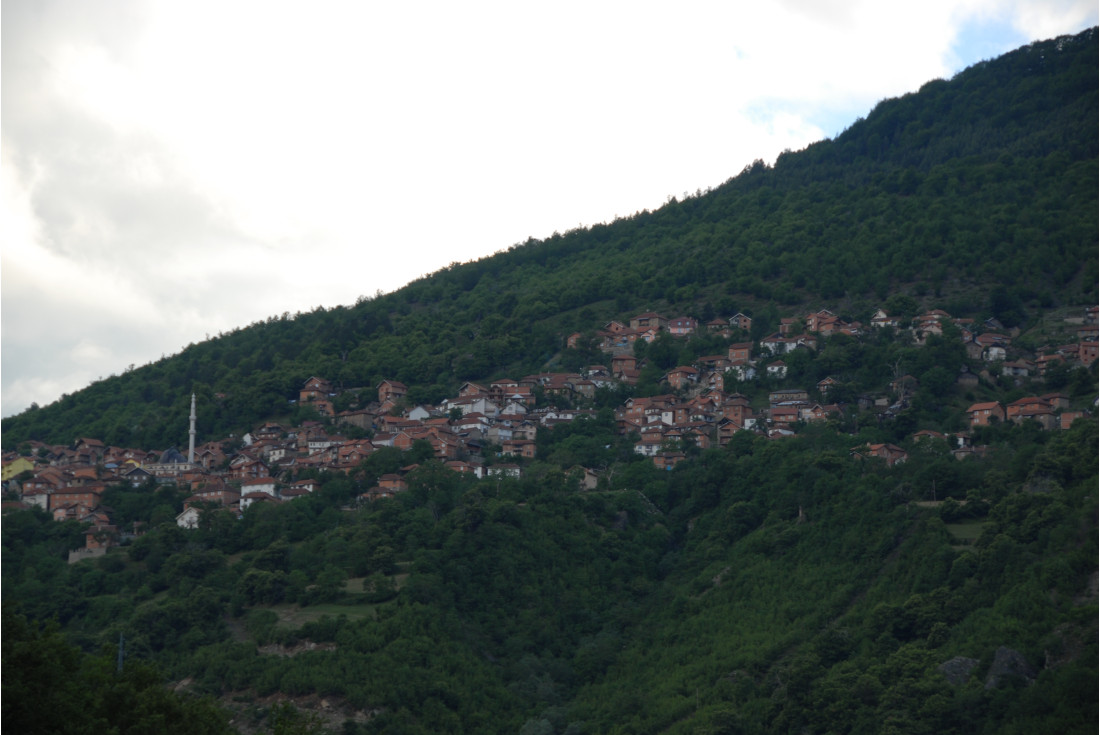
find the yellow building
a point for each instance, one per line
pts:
(15, 468)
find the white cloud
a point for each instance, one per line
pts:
(1049, 18)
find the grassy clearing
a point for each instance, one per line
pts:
(965, 534)
(294, 616)
(354, 585)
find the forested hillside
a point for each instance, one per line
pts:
(767, 587)
(756, 580)
(978, 193)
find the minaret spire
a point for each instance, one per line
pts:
(191, 434)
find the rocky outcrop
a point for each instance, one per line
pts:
(957, 671)
(1008, 665)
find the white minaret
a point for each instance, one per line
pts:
(191, 434)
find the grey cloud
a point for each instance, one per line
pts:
(139, 243)
(98, 192)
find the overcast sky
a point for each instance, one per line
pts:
(175, 169)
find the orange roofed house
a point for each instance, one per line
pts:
(891, 453)
(982, 414)
(649, 320)
(682, 326)
(391, 390)
(314, 389)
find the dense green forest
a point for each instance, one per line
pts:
(978, 193)
(767, 586)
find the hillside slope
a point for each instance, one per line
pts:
(783, 581)
(774, 586)
(979, 192)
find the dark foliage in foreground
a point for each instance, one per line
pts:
(770, 586)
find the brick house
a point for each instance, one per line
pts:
(983, 414)
(392, 391)
(682, 377)
(314, 389)
(518, 448)
(682, 326)
(740, 353)
(648, 320)
(741, 321)
(889, 452)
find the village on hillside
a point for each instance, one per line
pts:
(490, 430)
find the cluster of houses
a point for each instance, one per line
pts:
(1051, 411)
(489, 430)
(988, 341)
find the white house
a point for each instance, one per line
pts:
(419, 414)
(777, 369)
(744, 372)
(189, 518)
(259, 485)
(256, 497)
